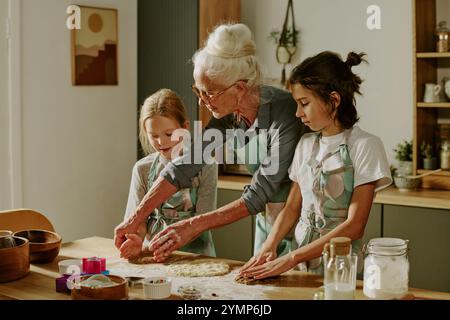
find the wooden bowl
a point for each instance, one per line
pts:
(44, 245)
(117, 292)
(15, 261)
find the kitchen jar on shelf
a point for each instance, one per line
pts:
(445, 155)
(386, 268)
(442, 37)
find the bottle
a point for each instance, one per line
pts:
(340, 270)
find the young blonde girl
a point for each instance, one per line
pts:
(161, 114)
(336, 170)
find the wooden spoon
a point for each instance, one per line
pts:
(424, 174)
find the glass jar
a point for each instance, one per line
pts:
(445, 155)
(442, 37)
(386, 268)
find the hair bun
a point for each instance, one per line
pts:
(355, 59)
(231, 41)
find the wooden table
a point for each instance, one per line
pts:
(40, 283)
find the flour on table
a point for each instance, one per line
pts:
(199, 268)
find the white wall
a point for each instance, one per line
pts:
(386, 107)
(79, 143)
(4, 183)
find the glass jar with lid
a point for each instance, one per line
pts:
(442, 37)
(386, 268)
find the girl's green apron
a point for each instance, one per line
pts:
(326, 198)
(252, 154)
(179, 207)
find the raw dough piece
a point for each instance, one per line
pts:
(252, 281)
(145, 257)
(199, 268)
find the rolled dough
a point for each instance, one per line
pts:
(199, 268)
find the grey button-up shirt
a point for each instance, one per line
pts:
(276, 115)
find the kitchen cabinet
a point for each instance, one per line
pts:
(212, 13)
(429, 67)
(234, 241)
(169, 33)
(428, 231)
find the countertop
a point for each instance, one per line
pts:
(292, 285)
(425, 198)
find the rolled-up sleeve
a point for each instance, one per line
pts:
(283, 138)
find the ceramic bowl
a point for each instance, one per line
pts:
(157, 287)
(406, 184)
(44, 245)
(14, 261)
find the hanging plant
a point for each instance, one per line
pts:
(286, 40)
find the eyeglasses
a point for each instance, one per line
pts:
(205, 96)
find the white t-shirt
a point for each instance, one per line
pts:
(366, 152)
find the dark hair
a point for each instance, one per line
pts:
(327, 72)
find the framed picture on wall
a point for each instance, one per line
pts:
(94, 48)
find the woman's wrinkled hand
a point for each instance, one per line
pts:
(120, 232)
(171, 239)
(131, 247)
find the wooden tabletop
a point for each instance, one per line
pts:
(293, 285)
(423, 198)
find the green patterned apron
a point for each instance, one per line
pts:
(257, 148)
(178, 207)
(326, 198)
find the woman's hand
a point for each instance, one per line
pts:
(272, 268)
(131, 247)
(127, 227)
(266, 254)
(172, 238)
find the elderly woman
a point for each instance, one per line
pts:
(228, 82)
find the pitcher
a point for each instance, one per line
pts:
(432, 92)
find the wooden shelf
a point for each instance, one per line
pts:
(430, 55)
(433, 105)
(442, 173)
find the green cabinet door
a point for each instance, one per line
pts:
(428, 231)
(373, 228)
(233, 241)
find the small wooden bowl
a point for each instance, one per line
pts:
(117, 292)
(15, 261)
(44, 245)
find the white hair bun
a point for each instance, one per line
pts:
(231, 41)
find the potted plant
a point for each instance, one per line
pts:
(403, 153)
(286, 44)
(429, 160)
